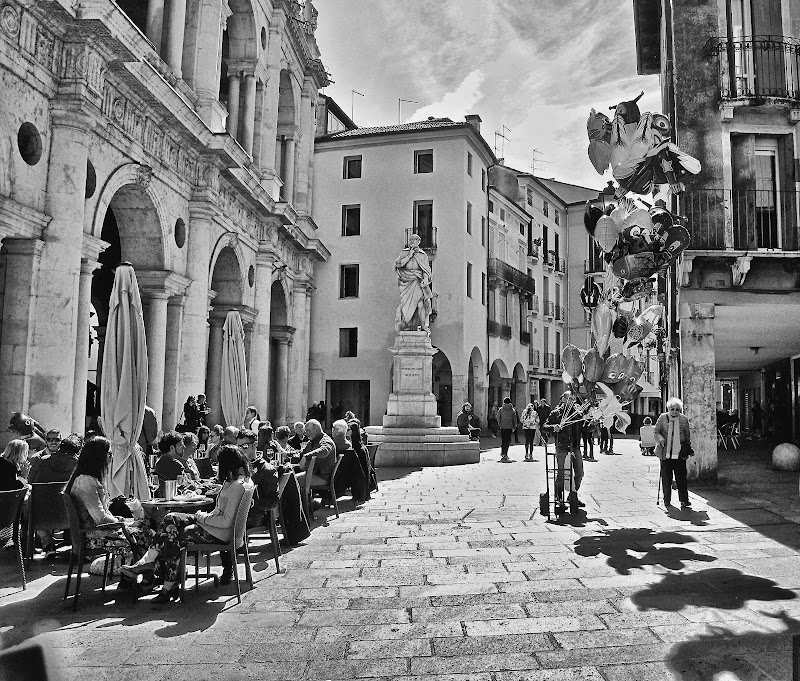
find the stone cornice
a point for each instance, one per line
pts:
(170, 283)
(18, 220)
(92, 247)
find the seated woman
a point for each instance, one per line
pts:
(214, 442)
(281, 442)
(14, 466)
(188, 454)
(363, 459)
(178, 529)
(91, 501)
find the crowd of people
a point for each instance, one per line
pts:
(222, 461)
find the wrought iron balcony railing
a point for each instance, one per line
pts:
(561, 265)
(533, 305)
(549, 361)
(549, 308)
(427, 237)
(559, 313)
(549, 260)
(741, 219)
(758, 67)
(511, 275)
(533, 358)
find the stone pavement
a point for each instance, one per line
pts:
(451, 573)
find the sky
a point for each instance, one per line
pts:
(532, 70)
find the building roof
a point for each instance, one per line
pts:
(570, 193)
(417, 126)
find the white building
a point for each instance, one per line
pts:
(373, 187)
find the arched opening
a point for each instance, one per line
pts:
(442, 387)
(239, 53)
(279, 337)
(132, 230)
(475, 376)
(498, 383)
(287, 126)
(227, 285)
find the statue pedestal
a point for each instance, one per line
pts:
(411, 434)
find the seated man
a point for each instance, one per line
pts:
(321, 446)
(229, 435)
(296, 440)
(264, 476)
(170, 464)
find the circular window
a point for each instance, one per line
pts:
(251, 276)
(180, 232)
(263, 38)
(29, 142)
(91, 179)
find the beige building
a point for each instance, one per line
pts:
(178, 136)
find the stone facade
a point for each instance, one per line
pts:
(176, 136)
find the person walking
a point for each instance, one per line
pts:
(588, 429)
(673, 440)
(530, 427)
(508, 422)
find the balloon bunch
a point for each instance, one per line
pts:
(637, 242)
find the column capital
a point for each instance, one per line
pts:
(88, 266)
(22, 246)
(178, 301)
(73, 112)
(92, 247)
(266, 258)
(202, 209)
(151, 293)
(282, 334)
(170, 283)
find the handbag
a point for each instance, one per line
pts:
(686, 451)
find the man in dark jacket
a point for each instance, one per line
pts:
(55, 467)
(567, 441)
(508, 420)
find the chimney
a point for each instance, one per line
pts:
(475, 121)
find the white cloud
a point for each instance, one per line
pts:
(457, 103)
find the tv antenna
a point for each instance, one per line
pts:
(536, 161)
(502, 135)
(353, 94)
(410, 101)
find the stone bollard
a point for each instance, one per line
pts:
(786, 457)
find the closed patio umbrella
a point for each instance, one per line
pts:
(124, 385)
(234, 370)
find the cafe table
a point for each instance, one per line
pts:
(157, 509)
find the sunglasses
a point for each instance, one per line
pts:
(54, 439)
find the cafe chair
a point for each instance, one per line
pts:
(78, 553)
(372, 450)
(326, 486)
(46, 511)
(238, 540)
(273, 516)
(11, 522)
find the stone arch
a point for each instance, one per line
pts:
(288, 104)
(442, 387)
(475, 383)
(242, 31)
(518, 394)
(280, 311)
(229, 244)
(280, 334)
(137, 182)
(498, 382)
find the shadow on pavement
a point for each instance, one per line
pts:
(394, 473)
(751, 654)
(698, 518)
(580, 519)
(618, 545)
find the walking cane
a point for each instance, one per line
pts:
(658, 494)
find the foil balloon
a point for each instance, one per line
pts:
(590, 294)
(636, 289)
(590, 217)
(601, 326)
(598, 128)
(593, 366)
(675, 241)
(641, 327)
(626, 389)
(606, 233)
(621, 421)
(620, 328)
(633, 368)
(614, 369)
(571, 361)
(635, 266)
(609, 407)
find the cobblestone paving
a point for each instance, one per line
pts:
(451, 573)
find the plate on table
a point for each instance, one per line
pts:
(189, 497)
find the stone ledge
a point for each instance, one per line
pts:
(401, 455)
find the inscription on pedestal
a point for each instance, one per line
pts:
(410, 375)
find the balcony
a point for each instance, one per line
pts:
(549, 361)
(511, 275)
(495, 328)
(427, 236)
(561, 265)
(559, 313)
(594, 265)
(753, 69)
(549, 260)
(533, 305)
(533, 358)
(524, 337)
(741, 219)
(533, 253)
(549, 309)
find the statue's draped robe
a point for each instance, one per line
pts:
(414, 280)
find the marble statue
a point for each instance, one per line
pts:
(414, 278)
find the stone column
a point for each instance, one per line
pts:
(82, 345)
(297, 410)
(249, 114)
(271, 97)
(193, 344)
(288, 170)
(259, 349)
(174, 43)
(281, 380)
(234, 82)
(205, 61)
(19, 312)
(171, 412)
(52, 364)
(155, 22)
(258, 134)
(305, 153)
(214, 378)
(155, 321)
(698, 363)
(306, 352)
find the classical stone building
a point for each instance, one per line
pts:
(730, 81)
(177, 135)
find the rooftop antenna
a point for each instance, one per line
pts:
(410, 101)
(353, 94)
(535, 161)
(504, 137)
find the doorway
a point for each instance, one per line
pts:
(344, 396)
